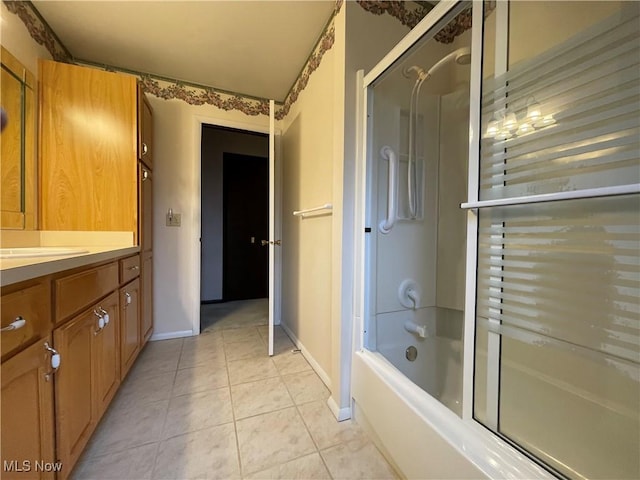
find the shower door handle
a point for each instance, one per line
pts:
(388, 154)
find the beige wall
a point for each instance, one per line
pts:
(319, 146)
(176, 177)
(307, 169)
(15, 37)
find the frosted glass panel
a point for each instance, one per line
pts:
(567, 118)
(557, 351)
(561, 284)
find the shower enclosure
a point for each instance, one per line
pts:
(418, 179)
(497, 289)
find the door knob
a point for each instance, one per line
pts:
(267, 242)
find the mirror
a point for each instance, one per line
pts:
(18, 146)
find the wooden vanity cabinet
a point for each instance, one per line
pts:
(30, 302)
(26, 413)
(89, 377)
(145, 214)
(145, 178)
(75, 408)
(107, 355)
(145, 129)
(91, 316)
(88, 149)
(146, 307)
(26, 396)
(130, 321)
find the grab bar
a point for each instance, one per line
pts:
(388, 154)
(302, 213)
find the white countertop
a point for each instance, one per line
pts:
(13, 270)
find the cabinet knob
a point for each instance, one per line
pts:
(19, 322)
(101, 322)
(54, 361)
(145, 175)
(105, 315)
(135, 267)
(127, 296)
(145, 149)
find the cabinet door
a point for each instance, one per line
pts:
(75, 409)
(88, 123)
(145, 129)
(129, 325)
(145, 214)
(27, 413)
(107, 354)
(146, 315)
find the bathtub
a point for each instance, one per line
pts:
(437, 367)
(413, 410)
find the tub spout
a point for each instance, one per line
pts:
(419, 330)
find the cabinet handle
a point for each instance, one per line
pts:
(101, 322)
(105, 315)
(145, 175)
(127, 298)
(55, 361)
(145, 149)
(19, 322)
(135, 267)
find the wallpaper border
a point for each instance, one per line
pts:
(194, 94)
(169, 88)
(39, 29)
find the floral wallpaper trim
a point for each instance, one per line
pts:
(39, 29)
(202, 96)
(409, 17)
(167, 88)
(191, 93)
(322, 46)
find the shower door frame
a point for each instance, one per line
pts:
(366, 177)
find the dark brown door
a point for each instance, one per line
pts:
(245, 223)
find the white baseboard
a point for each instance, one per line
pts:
(312, 361)
(170, 335)
(340, 413)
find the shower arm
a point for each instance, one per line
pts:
(388, 154)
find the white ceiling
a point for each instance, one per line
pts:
(255, 48)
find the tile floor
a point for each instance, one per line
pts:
(216, 406)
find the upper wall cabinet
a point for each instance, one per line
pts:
(88, 149)
(18, 160)
(145, 129)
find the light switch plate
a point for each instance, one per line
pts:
(174, 220)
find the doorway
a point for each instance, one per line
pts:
(245, 262)
(223, 152)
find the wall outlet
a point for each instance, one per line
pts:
(174, 220)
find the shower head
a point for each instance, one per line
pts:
(461, 56)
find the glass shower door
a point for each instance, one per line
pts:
(418, 155)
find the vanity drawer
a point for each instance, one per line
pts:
(80, 290)
(33, 304)
(129, 268)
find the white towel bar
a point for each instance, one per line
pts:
(302, 213)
